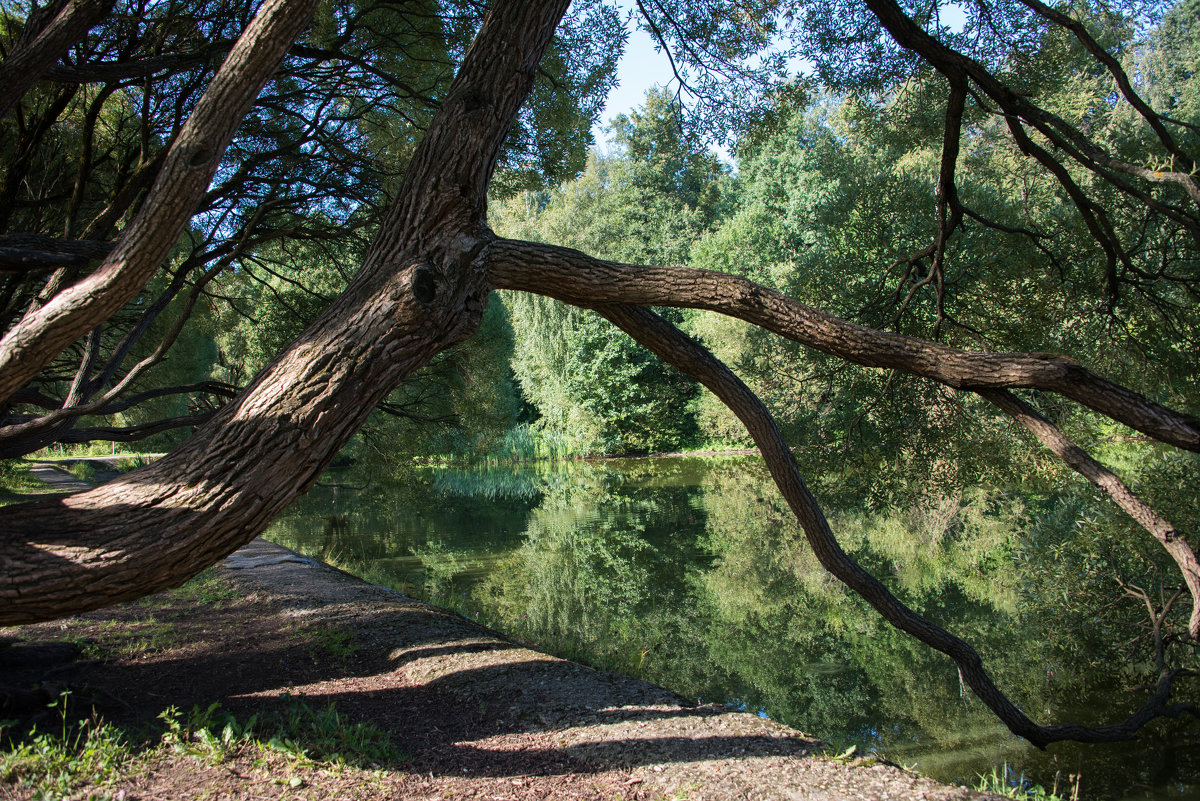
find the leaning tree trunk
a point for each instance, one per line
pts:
(422, 288)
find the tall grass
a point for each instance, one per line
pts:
(16, 480)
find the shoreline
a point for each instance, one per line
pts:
(613, 722)
(479, 715)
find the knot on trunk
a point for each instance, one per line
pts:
(424, 284)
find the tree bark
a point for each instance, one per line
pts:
(581, 280)
(190, 164)
(688, 356)
(422, 288)
(35, 54)
(1100, 476)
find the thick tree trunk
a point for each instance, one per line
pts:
(422, 288)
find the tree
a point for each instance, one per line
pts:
(425, 279)
(594, 387)
(303, 180)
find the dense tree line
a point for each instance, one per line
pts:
(943, 217)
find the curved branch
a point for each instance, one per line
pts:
(27, 252)
(688, 356)
(1103, 478)
(111, 72)
(33, 56)
(190, 165)
(1152, 118)
(909, 35)
(581, 280)
(24, 434)
(133, 433)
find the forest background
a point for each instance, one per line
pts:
(818, 205)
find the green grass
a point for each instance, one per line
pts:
(128, 638)
(1005, 782)
(84, 471)
(133, 461)
(206, 587)
(51, 765)
(16, 481)
(335, 642)
(55, 765)
(298, 732)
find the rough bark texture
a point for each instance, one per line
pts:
(581, 280)
(421, 289)
(190, 165)
(36, 52)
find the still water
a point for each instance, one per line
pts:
(689, 573)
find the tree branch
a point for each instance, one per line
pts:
(28, 252)
(1103, 478)
(688, 356)
(421, 289)
(189, 166)
(581, 280)
(34, 55)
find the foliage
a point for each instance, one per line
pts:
(825, 215)
(292, 204)
(647, 204)
(1003, 782)
(51, 766)
(297, 731)
(15, 478)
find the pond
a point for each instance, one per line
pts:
(688, 572)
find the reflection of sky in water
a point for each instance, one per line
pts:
(685, 572)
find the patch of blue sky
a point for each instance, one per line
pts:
(644, 66)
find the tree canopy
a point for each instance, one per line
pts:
(995, 221)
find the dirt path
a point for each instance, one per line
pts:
(56, 478)
(477, 715)
(548, 713)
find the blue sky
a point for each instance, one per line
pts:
(641, 67)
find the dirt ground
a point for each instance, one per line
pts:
(474, 715)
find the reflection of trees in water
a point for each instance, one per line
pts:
(411, 530)
(690, 573)
(598, 574)
(1032, 588)
(747, 613)
(336, 527)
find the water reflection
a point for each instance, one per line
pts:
(690, 573)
